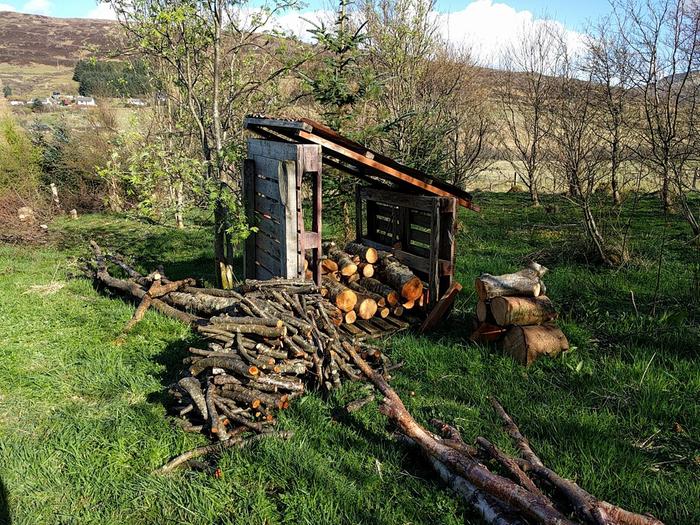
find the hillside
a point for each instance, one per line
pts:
(33, 39)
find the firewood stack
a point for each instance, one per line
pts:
(514, 311)
(365, 283)
(267, 342)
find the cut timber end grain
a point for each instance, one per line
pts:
(364, 252)
(329, 266)
(350, 317)
(482, 311)
(343, 297)
(383, 312)
(522, 310)
(346, 266)
(366, 269)
(526, 343)
(365, 307)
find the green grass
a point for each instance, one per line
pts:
(83, 420)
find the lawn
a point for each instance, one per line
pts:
(83, 418)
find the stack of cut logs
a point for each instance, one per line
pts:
(514, 311)
(267, 341)
(363, 282)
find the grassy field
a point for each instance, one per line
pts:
(83, 419)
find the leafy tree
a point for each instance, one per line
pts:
(19, 160)
(215, 67)
(108, 78)
(7, 91)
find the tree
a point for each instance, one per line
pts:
(219, 68)
(429, 114)
(578, 149)
(524, 99)
(663, 41)
(339, 81)
(6, 91)
(608, 63)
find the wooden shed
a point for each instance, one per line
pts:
(398, 209)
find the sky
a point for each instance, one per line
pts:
(485, 26)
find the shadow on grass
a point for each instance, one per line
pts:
(5, 518)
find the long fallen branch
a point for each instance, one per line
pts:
(494, 495)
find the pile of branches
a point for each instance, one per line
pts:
(268, 342)
(525, 491)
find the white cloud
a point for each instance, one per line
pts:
(489, 27)
(102, 12)
(37, 7)
(299, 24)
(484, 26)
(7, 7)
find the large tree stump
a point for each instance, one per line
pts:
(522, 310)
(525, 283)
(527, 343)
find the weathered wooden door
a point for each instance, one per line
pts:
(272, 185)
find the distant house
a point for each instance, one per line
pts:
(136, 102)
(56, 95)
(17, 102)
(85, 101)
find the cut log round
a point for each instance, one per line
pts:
(398, 311)
(378, 287)
(383, 312)
(365, 252)
(365, 307)
(522, 310)
(350, 317)
(483, 312)
(400, 277)
(366, 269)
(526, 343)
(328, 266)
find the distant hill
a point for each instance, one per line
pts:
(33, 39)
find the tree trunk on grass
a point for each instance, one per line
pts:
(522, 310)
(526, 343)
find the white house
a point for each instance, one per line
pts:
(136, 102)
(85, 101)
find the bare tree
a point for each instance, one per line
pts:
(578, 149)
(608, 65)
(663, 41)
(524, 98)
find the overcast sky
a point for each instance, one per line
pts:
(484, 25)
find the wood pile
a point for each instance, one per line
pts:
(503, 489)
(271, 341)
(365, 283)
(514, 311)
(267, 343)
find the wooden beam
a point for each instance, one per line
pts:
(441, 308)
(378, 166)
(275, 123)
